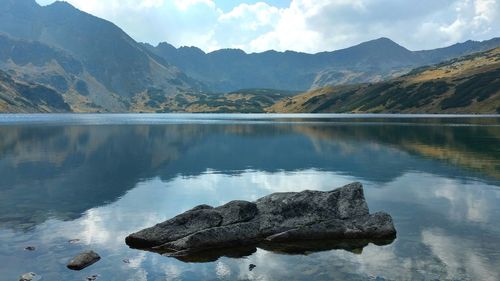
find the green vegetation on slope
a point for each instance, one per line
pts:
(466, 85)
(479, 87)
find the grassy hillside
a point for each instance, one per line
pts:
(469, 84)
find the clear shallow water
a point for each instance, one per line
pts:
(98, 178)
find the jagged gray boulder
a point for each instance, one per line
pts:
(277, 218)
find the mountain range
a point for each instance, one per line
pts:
(373, 61)
(90, 65)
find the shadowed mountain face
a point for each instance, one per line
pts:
(37, 63)
(373, 61)
(115, 67)
(23, 52)
(63, 171)
(16, 96)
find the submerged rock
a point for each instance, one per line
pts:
(92, 277)
(275, 219)
(83, 260)
(30, 276)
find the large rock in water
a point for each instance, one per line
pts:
(280, 217)
(83, 260)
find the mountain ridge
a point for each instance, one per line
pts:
(227, 70)
(468, 42)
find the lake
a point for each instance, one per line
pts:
(69, 183)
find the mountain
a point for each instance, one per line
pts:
(373, 61)
(54, 68)
(18, 96)
(115, 67)
(470, 84)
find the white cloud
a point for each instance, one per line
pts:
(150, 3)
(473, 18)
(331, 24)
(303, 25)
(184, 5)
(251, 17)
(485, 10)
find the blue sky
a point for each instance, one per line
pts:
(300, 25)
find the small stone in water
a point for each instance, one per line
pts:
(29, 277)
(126, 261)
(92, 277)
(251, 267)
(30, 248)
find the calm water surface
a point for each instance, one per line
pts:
(97, 178)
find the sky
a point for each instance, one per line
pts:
(300, 25)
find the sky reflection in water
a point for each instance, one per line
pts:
(100, 183)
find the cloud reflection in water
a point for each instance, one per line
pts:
(435, 251)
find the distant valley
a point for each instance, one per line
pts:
(56, 58)
(242, 101)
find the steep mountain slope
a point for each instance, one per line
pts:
(36, 62)
(17, 96)
(469, 84)
(113, 59)
(372, 61)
